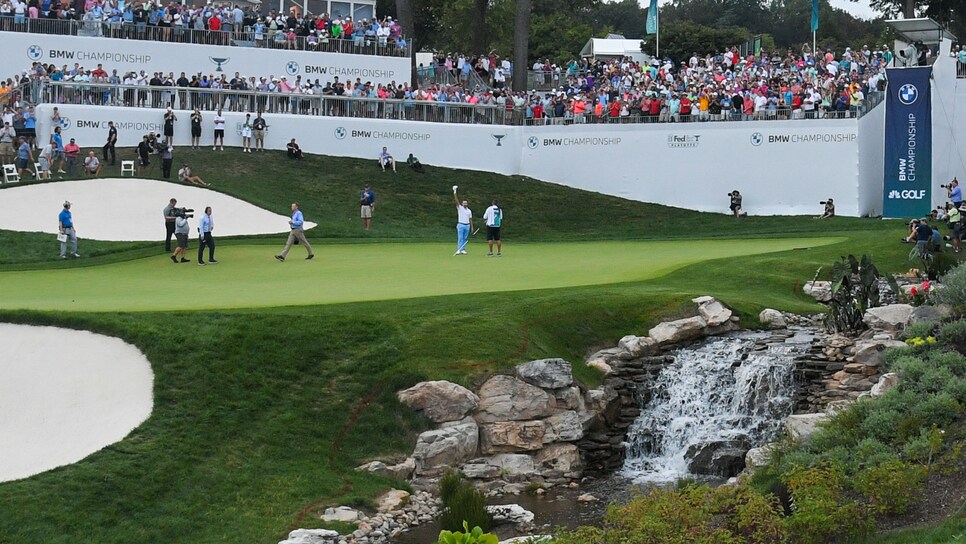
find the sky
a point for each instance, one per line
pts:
(858, 9)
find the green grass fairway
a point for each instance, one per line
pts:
(248, 276)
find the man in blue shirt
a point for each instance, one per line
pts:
(954, 192)
(65, 224)
(58, 148)
(297, 233)
(204, 238)
(367, 200)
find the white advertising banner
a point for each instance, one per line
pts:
(22, 49)
(781, 168)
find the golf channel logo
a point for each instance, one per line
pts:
(908, 94)
(35, 52)
(757, 139)
(292, 68)
(341, 133)
(908, 194)
(533, 142)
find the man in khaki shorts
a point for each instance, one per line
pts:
(367, 199)
(7, 136)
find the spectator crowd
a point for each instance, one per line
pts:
(212, 23)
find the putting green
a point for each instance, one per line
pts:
(248, 276)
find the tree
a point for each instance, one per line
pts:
(521, 45)
(625, 17)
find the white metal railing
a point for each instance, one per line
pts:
(244, 37)
(133, 96)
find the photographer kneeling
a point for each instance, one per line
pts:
(181, 231)
(829, 209)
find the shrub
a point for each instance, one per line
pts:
(939, 410)
(821, 514)
(855, 289)
(468, 536)
(921, 329)
(953, 334)
(952, 360)
(870, 453)
(954, 289)
(890, 487)
(463, 504)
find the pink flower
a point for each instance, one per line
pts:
(913, 291)
(925, 286)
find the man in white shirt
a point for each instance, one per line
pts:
(464, 223)
(493, 216)
(219, 131)
(92, 166)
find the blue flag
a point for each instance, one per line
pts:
(814, 15)
(651, 26)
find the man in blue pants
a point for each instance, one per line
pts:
(464, 223)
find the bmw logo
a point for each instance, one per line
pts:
(533, 142)
(340, 133)
(64, 123)
(908, 94)
(292, 68)
(757, 139)
(34, 52)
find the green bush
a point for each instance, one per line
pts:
(463, 504)
(952, 334)
(954, 289)
(468, 536)
(821, 513)
(693, 515)
(892, 486)
(921, 329)
(855, 289)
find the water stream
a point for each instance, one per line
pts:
(723, 392)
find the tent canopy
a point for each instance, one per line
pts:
(610, 48)
(925, 30)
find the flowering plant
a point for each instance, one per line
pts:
(920, 341)
(919, 295)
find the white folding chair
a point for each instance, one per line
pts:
(39, 173)
(127, 166)
(10, 174)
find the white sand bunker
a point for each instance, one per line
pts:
(65, 394)
(129, 209)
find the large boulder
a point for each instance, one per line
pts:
(394, 499)
(558, 458)
(885, 383)
(930, 313)
(510, 513)
(714, 313)
(400, 471)
(679, 330)
(563, 427)
(569, 398)
(501, 464)
(442, 448)
(802, 426)
(511, 436)
(343, 514)
(869, 352)
(724, 458)
(505, 398)
(440, 400)
(311, 536)
(772, 319)
(819, 290)
(759, 457)
(891, 318)
(546, 373)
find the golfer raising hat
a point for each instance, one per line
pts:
(464, 223)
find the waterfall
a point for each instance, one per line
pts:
(720, 397)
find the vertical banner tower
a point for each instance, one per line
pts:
(907, 184)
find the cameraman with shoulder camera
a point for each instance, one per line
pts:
(735, 205)
(181, 231)
(953, 192)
